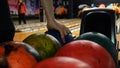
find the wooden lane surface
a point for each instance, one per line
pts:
(118, 39)
(20, 36)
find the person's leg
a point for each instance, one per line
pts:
(19, 18)
(24, 19)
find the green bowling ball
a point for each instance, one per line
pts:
(103, 40)
(45, 44)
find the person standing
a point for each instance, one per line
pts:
(21, 11)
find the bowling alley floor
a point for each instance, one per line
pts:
(35, 26)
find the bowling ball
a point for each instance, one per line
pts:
(28, 48)
(45, 44)
(62, 62)
(89, 52)
(56, 34)
(101, 39)
(15, 55)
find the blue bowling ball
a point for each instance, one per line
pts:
(56, 34)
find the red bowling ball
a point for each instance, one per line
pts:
(62, 62)
(89, 52)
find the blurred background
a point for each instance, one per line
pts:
(70, 7)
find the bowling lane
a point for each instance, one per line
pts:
(35, 28)
(118, 38)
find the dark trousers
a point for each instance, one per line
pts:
(22, 18)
